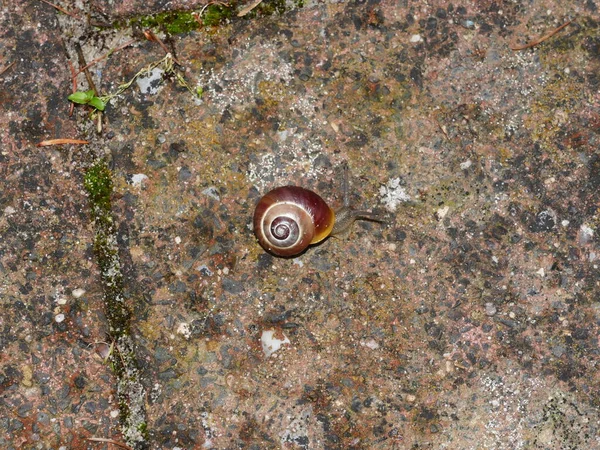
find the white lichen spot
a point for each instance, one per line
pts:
(298, 262)
(371, 343)
(262, 170)
(272, 340)
(466, 164)
(9, 210)
(212, 192)
(297, 430)
(152, 82)
(392, 194)
(204, 270)
(78, 293)
(442, 212)
(586, 234)
(247, 75)
(138, 179)
(184, 329)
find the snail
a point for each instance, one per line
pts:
(290, 218)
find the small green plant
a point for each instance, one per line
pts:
(87, 98)
(99, 103)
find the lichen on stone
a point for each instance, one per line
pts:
(131, 393)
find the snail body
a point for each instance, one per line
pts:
(290, 218)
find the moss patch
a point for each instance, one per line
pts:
(99, 186)
(173, 22)
(181, 22)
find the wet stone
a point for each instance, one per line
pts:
(167, 375)
(24, 410)
(184, 174)
(43, 418)
(544, 221)
(90, 407)
(558, 350)
(490, 309)
(178, 287)
(80, 382)
(232, 286)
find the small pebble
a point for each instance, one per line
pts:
(137, 179)
(490, 309)
(212, 192)
(586, 234)
(77, 293)
(371, 343)
(272, 341)
(184, 329)
(59, 318)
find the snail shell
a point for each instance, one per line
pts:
(290, 218)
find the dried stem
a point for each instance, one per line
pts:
(542, 39)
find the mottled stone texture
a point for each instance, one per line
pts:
(469, 320)
(55, 391)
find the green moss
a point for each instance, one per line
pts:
(98, 184)
(173, 22)
(181, 22)
(216, 14)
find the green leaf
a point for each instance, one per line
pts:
(79, 97)
(97, 103)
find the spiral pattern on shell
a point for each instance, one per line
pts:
(290, 218)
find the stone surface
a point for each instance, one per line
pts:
(469, 320)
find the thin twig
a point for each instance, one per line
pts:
(74, 82)
(109, 441)
(212, 3)
(542, 39)
(249, 7)
(82, 63)
(62, 10)
(153, 38)
(7, 67)
(198, 15)
(443, 130)
(61, 141)
(97, 60)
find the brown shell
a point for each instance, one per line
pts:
(314, 219)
